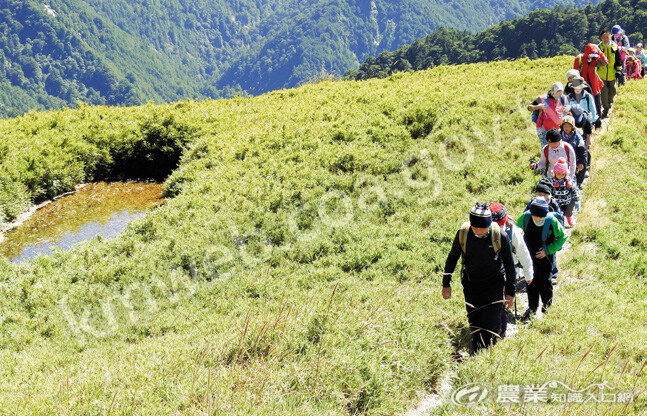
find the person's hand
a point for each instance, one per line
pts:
(580, 167)
(509, 301)
(528, 282)
(447, 292)
(533, 166)
(540, 254)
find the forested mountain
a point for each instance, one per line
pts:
(126, 52)
(542, 33)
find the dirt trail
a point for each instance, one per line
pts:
(593, 213)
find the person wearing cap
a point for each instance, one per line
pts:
(548, 110)
(571, 136)
(640, 54)
(609, 72)
(555, 149)
(583, 108)
(544, 189)
(487, 275)
(542, 252)
(587, 63)
(620, 38)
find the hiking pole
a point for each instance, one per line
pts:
(516, 316)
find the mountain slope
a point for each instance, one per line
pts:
(296, 266)
(541, 33)
(129, 52)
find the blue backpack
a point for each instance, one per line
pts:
(545, 229)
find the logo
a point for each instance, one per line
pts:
(469, 394)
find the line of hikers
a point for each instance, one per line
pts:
(492, 245)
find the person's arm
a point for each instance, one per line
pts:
(590, 101)
(542, 160)
(522, 254)
(580, 151)
(572, 159)
(536, 105)
(520, 220)
(452, 259)
(618, 66)
(560, 238)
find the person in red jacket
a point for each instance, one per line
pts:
(586, 63)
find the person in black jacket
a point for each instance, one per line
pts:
(487, 275)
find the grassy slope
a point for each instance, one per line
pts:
(296, 268)
(595, 331)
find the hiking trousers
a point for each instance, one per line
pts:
(607, 95)
(485, 324)
(541, 286)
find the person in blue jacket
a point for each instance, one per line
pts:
(583, 108)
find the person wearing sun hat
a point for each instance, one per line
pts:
(548, 109)
(487, 275)
(582, 107)
(571, 136)
(544, 237)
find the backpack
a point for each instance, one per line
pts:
(536, 113)
(545, 228)
(495, 234)
(568, 154)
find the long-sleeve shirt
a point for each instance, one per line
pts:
(577, 143)
(549, 158)
(564, 191)
(486, 274)
(586, 101)
(520, 250)
(554, 242)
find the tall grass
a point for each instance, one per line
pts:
(295, 269)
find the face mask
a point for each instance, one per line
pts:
(539, 224)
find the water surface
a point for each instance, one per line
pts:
(96, 209)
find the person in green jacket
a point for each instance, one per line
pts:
(609, 72)
(544, 236)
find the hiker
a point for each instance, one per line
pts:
(544, 189)
(633, 68)
(565, 192)
(544, 236)
(547, 111)
(486, 274)
(555, 149)
(640, 54)
(609, 72)
(520, 253)
(587, 63)
(583, 108)
(571, 136)
(619, 37)
(571, 74)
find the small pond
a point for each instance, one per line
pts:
(94, 209)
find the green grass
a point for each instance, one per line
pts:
(295, 267)
(595, 331)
